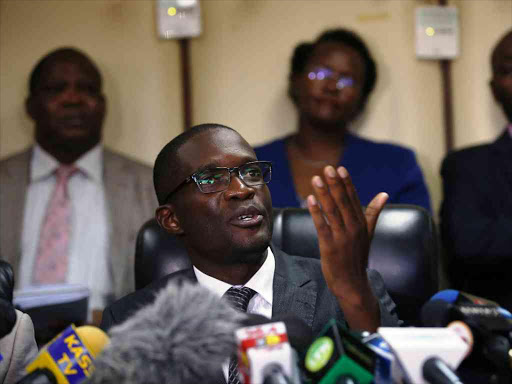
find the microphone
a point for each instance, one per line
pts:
(387, 368)
(183, 337)
(486, 312)
(268, 350)
(436, 371)
(68, 358)
(413, 346)
(337, 356)
(491, 349)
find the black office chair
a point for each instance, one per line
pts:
(405, 250)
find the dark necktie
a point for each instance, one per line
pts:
(239, 298)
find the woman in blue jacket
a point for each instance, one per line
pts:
(330, 82)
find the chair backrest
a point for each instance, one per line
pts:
(405, 250)
(157, 254)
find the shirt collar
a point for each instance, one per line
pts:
(261, 282)
(43, 164)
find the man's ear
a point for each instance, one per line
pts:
(166, 217)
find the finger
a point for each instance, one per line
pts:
(326, 203)
(339, 194)
(373, 211)
(352, 193)
(322, 228)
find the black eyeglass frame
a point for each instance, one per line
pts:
(194, 177)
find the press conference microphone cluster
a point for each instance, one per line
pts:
(68, 358)
(183, 337)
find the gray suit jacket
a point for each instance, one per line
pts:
(130, 199)
(299, 288)
(18, 349)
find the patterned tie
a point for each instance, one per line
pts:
(239, 298)
(51, 264)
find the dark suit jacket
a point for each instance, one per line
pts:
(476, 219)
(299, 288)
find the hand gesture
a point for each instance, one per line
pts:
(344, 237)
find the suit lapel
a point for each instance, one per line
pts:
(14, 183)
(294, 292)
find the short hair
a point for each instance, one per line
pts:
(60, 55)
(168, 163)
(303, 52)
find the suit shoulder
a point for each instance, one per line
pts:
(126, 306)
(18, 158)
(126, 161)
(468, 155)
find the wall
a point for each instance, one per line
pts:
(141, 73)
(240, 68)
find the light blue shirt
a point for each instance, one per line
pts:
(90, 229)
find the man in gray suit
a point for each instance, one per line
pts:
(213, 195)
(109, 196)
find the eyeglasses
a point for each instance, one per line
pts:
(212, 180)
(322, 73)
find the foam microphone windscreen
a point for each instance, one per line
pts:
(183, 337)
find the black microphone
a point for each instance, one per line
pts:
(436, 371)
(491, 346)
(487, 313)
(337, 356)
(183, 337)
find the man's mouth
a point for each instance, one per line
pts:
(73, 121)
(250, 218)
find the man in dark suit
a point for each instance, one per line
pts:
(224, 218)
(476, 212)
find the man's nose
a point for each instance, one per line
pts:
(72, 95)
(238, 189)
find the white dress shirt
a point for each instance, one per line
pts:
(261, 283)
(90, 231)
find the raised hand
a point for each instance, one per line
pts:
(344, 236)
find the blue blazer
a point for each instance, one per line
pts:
(374, 167)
